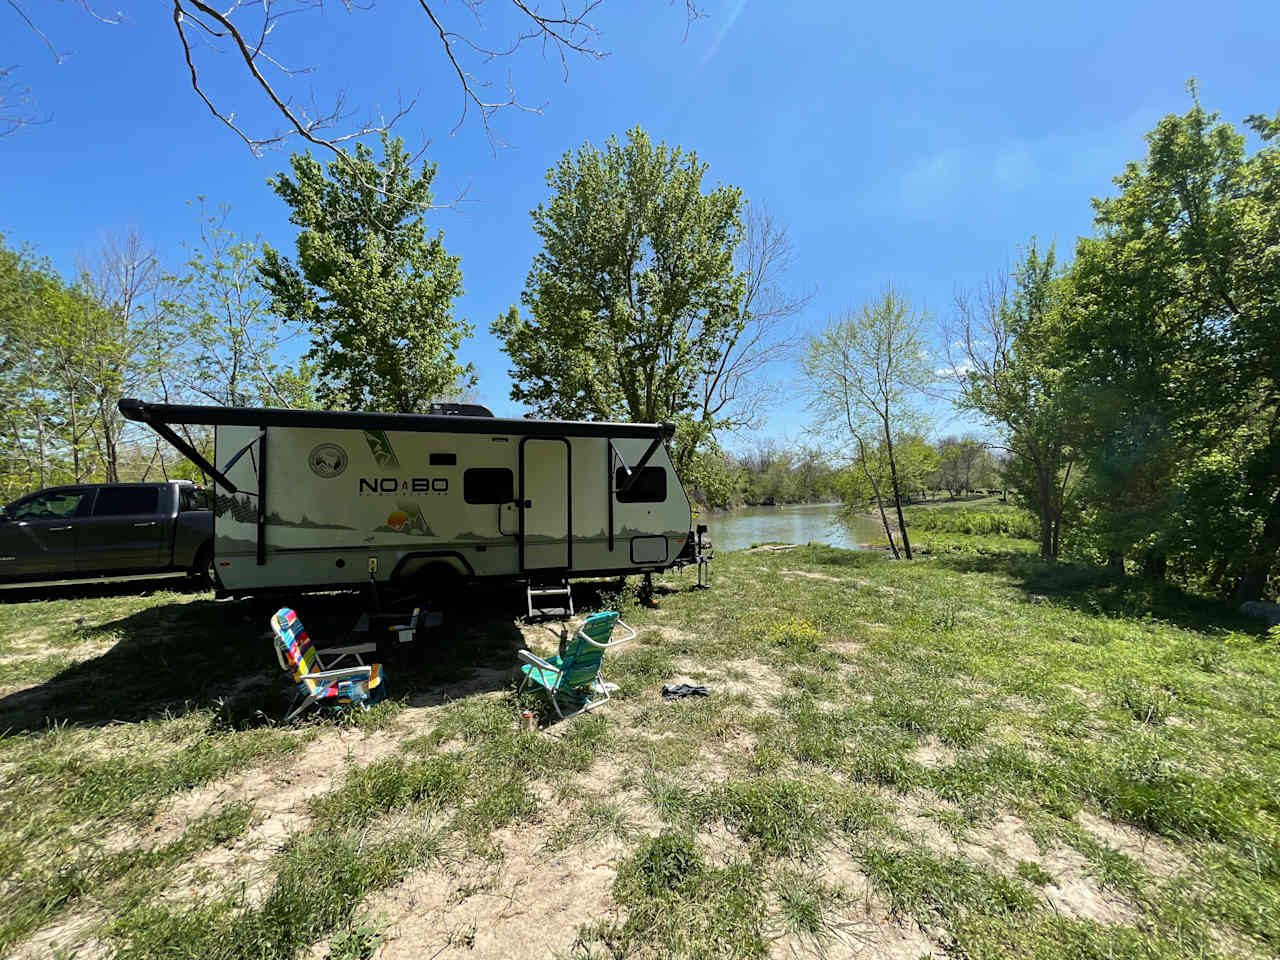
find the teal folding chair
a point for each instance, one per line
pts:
(573, 681)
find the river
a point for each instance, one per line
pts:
(798, 523)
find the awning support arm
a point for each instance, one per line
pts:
(192, 454)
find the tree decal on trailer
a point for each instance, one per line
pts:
(381, 448)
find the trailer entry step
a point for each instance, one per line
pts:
(558, 589)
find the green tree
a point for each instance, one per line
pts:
(1172, 351)
(70, 351)
(222, 342)
(865, 376)
(634, 295)
(375, 292)
(1002, 357)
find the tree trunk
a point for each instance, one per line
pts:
(1044, 494)
(897, 495)
(1115, 562)
(875, 488)
(1262, 558)
(1216, 577)
(40, 447)
(109, 442)
(1155, 566)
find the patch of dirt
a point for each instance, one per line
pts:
(480, 682)
(1002, 844)
(762, 683)
(864, 927)
(1090, 698)
(721, 845)
(274, 791)
(68, 937)
(932, 753)
(810, 575)
(528, 904)
(1073, 890)
(668, 633)
(279, 798)
(772, 548)
(1153, 853)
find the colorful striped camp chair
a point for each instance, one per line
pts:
(575, 677)
(320, 684)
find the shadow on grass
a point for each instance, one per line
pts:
(177, 657)
(108, 588)
(1098, 591)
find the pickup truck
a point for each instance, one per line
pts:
(91, 531)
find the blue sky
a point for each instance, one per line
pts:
(917, 144)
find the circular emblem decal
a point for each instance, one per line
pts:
(328, 460)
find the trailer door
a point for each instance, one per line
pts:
(546, 539)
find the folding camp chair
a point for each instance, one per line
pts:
(575, 677)
(319, 682)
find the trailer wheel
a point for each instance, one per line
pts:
(438, 585)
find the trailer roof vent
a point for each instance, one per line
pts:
(460, 410)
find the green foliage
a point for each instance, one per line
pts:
(988, 521)
(358, 942)
(223, 341)
(1170, 348)
(1012, 376)
(864, 377)
(634, 294)
(374, 290)
(68, 352)
(678, 905)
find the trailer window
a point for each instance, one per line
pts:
(443, 459)
(488, 485)
(121, 501)
(649, 487)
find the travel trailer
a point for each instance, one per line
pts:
(313, 499)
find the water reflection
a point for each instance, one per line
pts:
(801, 523)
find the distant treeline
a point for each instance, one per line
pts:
(769, 474)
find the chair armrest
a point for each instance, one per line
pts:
(536, 661)
(613, 643)
(363, 671)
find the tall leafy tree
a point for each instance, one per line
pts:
(1001, 346)
(634, 295)
(1172, 348)
(375, 291)
(865, 376)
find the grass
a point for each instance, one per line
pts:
(872, 734)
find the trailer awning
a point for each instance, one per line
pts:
(154, 414)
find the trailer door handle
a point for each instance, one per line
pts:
(146, 523)
(528, 504)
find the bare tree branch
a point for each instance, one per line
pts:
(734, 391)
(16, 105)
(250, 27)
(31, 25)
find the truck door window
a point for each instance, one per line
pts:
(117, 501)
(193, 498)
(52, 505)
